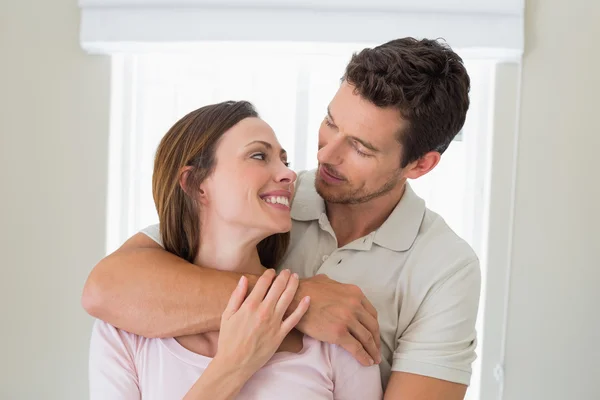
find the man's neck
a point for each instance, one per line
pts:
(228, 248)
(353, 221)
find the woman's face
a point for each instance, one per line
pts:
(251, 185)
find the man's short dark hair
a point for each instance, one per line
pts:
(425, 80)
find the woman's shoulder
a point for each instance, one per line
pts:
(336, 356)
(344, 365)
(105, 336)
(352, 379)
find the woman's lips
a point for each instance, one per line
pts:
(279, 199)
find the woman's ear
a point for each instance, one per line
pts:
(202, 195)
(184, 175)
(184, 181)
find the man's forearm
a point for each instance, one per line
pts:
(153, 293)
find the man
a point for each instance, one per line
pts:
(399, 287)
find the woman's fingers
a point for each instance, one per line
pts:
(286, 298)
(237, 298)
(260, 289)
(290, 322)
(277, 288)
(274, 297)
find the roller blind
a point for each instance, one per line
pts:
(494, 26)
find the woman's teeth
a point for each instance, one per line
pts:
(277, 200)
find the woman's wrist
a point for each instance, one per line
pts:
(222, 380)
(231, 368)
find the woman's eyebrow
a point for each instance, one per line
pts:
(268, 145)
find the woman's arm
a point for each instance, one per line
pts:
(112, 373)
(252, 329)
(146, 290)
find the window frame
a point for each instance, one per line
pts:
(492, 186)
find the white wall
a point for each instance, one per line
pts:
(54, 104)
(553, 340)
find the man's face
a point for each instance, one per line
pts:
(359, 155)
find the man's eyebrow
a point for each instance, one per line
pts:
(268, 145)
(366, 144)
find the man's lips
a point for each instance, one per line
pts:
(329, 176)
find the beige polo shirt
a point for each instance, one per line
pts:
(421, 277)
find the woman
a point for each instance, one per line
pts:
(222, 189)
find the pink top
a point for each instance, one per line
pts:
(124, 366)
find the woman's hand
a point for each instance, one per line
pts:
(253, 329)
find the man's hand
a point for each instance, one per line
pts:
(340, 314)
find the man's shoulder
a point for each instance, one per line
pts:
(307, 205)
(436, 231)
(300, 175)
(439, 251)
(304, 181)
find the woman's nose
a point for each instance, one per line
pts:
(287, 176)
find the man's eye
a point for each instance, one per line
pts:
(357, 148)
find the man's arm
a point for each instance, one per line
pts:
(145, 290)
(405, 386)
(435, 352)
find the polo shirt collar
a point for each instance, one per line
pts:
(400, 230)
(397, 233)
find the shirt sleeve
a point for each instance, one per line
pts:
(153, 232)
(112, 372)
(440, 342)
(352, 380)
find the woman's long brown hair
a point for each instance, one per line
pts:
(193, 141)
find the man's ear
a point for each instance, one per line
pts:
(198, 194)
(423, 165)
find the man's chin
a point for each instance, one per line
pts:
(329, 194)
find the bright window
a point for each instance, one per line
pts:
(290, 85)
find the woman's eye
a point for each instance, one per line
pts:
(259, 156)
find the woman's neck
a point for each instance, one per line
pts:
(228, 248)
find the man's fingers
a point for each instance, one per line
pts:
(287, 296)
(237, 298)
(353, 346)
(369, 307)
(366, 339)
(372, 325)
(370, 320)
(260, 289)
(290, 322)
(277, 288)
